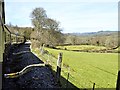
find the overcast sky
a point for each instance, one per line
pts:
(73, 15)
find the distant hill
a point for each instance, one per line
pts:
(99, 33)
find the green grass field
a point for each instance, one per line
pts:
(88, 68)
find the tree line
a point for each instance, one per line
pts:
(106, 40)
(47, 31)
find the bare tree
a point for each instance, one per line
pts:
(38, 17)
(47, 30)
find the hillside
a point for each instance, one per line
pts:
(108, 39)
(94, 33)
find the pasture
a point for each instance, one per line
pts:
(88, 68)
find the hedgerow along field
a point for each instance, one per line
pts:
(88, 68)
(82, 47)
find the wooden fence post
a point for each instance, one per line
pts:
(93, 86)
(67, 79)
(42, 49)
(59, 62)
(118, 82)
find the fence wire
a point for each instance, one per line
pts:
(82, 83)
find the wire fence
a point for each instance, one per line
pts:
(69, 73)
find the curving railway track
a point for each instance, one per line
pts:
(26, 71)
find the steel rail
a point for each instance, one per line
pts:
(23, 71)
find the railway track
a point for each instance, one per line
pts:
(27, 71)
